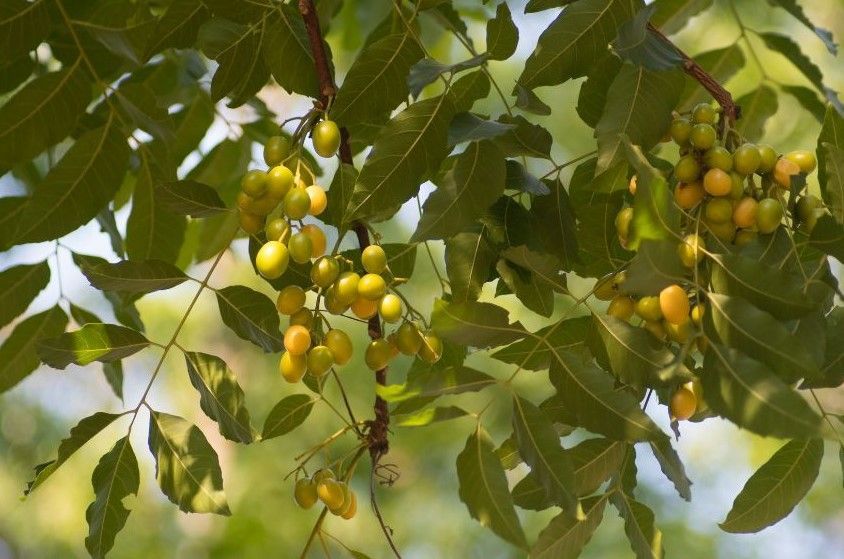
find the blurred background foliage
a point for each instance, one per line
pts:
(422, 507)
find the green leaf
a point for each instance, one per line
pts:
(828, 237)
(236, 47)
(589, 393)
(671, 465)
(123, 304)
(544, 268)
(655, 215)
(639, 104)
(115, 478)
(832, 187)
(736, 323)
(18, 287)
(93, 342)
(186, 466)
(656, 266)
(756, 108)
(23, 25)
(427, 416)
(473, 324)
(530, 102)
(792, 7)
(635, 43)
(189, 197)
(251, 315)
(134, 276)
(192, 123)
(468, 89)
(634, 355)
(468, 260)
(122, 31)
(673, 15)
(436, 382)
(502, 35)
(540, 5)
(464, 194)
(153, 232)
(534, 354)
(774, 490)
(556, 224)
(407, 152)
(77, 188)
(42, 113)
(83, 432)
(340, 192)
(593, 93)
(565, 537)
(807, 98)
(139, 105)
(532, 293)
(575, 40)
(524, 138)
(18, 355)
(539, 447)
(288, 53)
(220, 396)
(483, 488)
(469, 127)
(286, 415)
(644, 537)
(376, 81)
(779, 292)
(742, 390)
(427, 70)
(177, 27)
(518, 178)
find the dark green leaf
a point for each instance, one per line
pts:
(831, 157)
(483, 488)
(502, 35)
(555, 220)
(427, 70)
(436, 382)
(93, 342)
(756, 108)
(236, 47)
(478, 325)
(178, 27)
(220, 396)
(544, 268)
(532, 293)
(565, 537)
(22, 26)
(524, 138)
(518, 178)
(288, 414)
(792, 7)
(671, 465)
(18, 355)
(189, 197)
(635, 43)
(469, 259)
(534, 354)
(775, 489)
(134, 276)
(340, 192)
(530, 102)
(656, 266)
(18, 287)
(288, 53)
(186, 466)
(672, 15)
(468, 89)
(469, 127)
(645, 538)
(593, 93)
(808, 99)
(742, 390)
(251, 315)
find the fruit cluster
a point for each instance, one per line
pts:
(334, 494)
(729, 192)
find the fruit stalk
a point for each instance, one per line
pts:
(377, 436)
(731, 110)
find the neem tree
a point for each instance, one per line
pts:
(715, 264)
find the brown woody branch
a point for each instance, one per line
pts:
(377, 441)
(729, 107)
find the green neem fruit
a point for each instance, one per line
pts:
(704, 113)
(724, 231)
(719, 210)
(300, 248)
(340, 345)
(326, 137)
(372, 287)
(302, 317)
(279, 182)
(718, 157)
(322, 475)
(746, 159)
(332, 305)
(297, 203)
(277, 230)
(325, 271)
(737, 188)
(320, 360)
(687, 169)
(744, 237)
(292, 367)
(767, 158)
(408, 339)
(276, 150)
(703, 136)
(691, 250)
(272, 259)
(346, 288)
(254, 183)
(250, 222)
(305, 493)
(264, 205)
(769, 214)
(374, 259)
(680, 131)
(378, 354)
(290, 300)
(648, 308)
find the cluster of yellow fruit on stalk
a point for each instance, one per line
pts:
(728, 197)
(334, 494)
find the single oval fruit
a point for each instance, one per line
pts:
(351, 509)
(622, 307)
(290, 299)
(431, 348)
(703, 136)
(746, 159)
(633, 185)
(674, 304)
(804, 159)
(769, 214)
(372, 287)
(687, 169)
(250, 223)
(687, 196)
(378, 354)
(330, 492)
(704, 113)
(254, 183)
(347, 498)
(292, 367)
(784, 169)
(408, 339)
(297, 339)
(300, 248)
(718, 157)
(724, 231)
(683, 403)
(806, 207)
(279, 182)
(718, 210)
(325, 271)
(744, 214)
(297, 203)
(717, 182)
(374, 259)
(319, 200)
(681, 130)
(691, 250)
(302, 317)
(767, 158)
(697, 313)
(305, 493)
(276, 150)
(318, 240)
(364, 308)
(390, 307)
(263, 205)
(277, 230)
(622, 222)
(648, 309)
(340, 345)
(332, 305)
(323, 474)
(320, 360)
(346, 288)
(326, 137)
(272, 259)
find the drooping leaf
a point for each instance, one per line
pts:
(531, 292)
(186, 466)
(644, 537)
(774, 490)
(671, 465)
(535, 353)
(524, 138)
(468, 258)
(671, 16)
(464, 194)
(18, 287)
(792, 7)
(565, 537)
(808, 99)
(745, 392)
(474, 324)
(115, 478)
(502, 35)
(123, 304)
(469, 127)
(635, 43)
(134, 276)
(593, 93)
(220, 395)
(288, 53)
(376, 81)
(407, 152)
(18, 354)
(237, 48)
(483, 488)
(530, 102)
(575, 40)
(189, 197)
(251, 315)
(518, 178)
(286, 415)
(437, 382)
(427, 70)
(83, 432)
(92, 342)
(556, 222)
(756, 108)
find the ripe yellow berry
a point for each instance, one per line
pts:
(674, 304)
(648, 309)
(372, 286)
(297, 339)
(318, 199)
(272, 259)
(390, 307)
(317, 237)
(621, 307)
(717, 182)
(292, 367)
(374, 259)
(364, 308)
(683, 403)
(340, 345)
(330, 492)
(290, 299)
(691, 250)
(279, 182)
(305, 493)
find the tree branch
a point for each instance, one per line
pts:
(710, 84)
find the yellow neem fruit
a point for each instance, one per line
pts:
(717, 182)
(656, 328)
(364, 308)
(322, 474)
(290, 299)
(279, 182)
(679, 333)
(674, 304)
(292, 367)
(330, 492)
(352, 507)
(390, 307)
(378, 354)
(744, 213)
(784, 169)
(278, 230)
(622, 307)
(340, 345)
(683, 403)
(691, 250)
(272, 259)
(374, 259)
(250, 222)
(297, 339)
(318, 199)
(408, 339)
(318, 241)
(805, 160)
(326, 137)
(648, 309)
(697, 314)
(320, 360)
(688, 195)
(302, 317)
(372, 287)
(305, 493)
